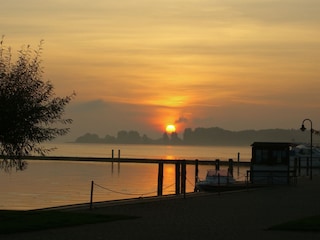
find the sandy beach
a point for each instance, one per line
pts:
(234, 215)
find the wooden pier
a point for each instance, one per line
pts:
(180, 166)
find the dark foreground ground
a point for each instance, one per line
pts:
(237, 215)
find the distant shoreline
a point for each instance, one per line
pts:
(160, 144)
(202, 137)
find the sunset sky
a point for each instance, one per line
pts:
(143, 64)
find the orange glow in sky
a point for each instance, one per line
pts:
(144, 64)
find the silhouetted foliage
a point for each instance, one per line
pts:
(109, 139)
(165, 138)
(89, 137)
(175, 139)
(214, 136)
(128, 137)
(29, 111)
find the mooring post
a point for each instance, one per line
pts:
(219, 183)
(91, 195)
(177, 177)
(217, 164)
(160, 178)
(118, 161)
(238, 160)
(230, 169)
(183, 177)
(196, 173)
(112, 156)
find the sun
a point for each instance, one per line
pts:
(170, 128)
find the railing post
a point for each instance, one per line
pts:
(230, 169)
(177, 177)
(219, 183)
(112, 156)
(160, 178)
(91, 195)
(217, 164)
(183, 177)
(238, 163)
(118, 161)
(196, 173)
(248, 177)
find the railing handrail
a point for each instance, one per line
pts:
(132, 160)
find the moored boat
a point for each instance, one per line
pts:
(302, 153)
(218, 180)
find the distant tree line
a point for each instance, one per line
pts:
(129, 137)
(202, 136)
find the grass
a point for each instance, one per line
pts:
(24, 221)
(304, 224)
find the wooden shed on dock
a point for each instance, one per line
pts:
(270, 163)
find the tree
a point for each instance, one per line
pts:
(30, 113)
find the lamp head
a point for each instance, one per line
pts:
(303, 128)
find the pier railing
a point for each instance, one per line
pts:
(133, 160)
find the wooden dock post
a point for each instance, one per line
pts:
(230, 168)
(112, 156)
(217, 164)
(177, 177)
(218, 184)
(160, 178)
(238, 165)
(91, 195)
(183, 177)
(118, 161)
(196, 173)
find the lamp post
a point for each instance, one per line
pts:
(303, 128)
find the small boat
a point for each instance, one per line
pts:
(218, 180)
(302, 153)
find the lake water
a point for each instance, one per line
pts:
(56, 183)
(153, 151)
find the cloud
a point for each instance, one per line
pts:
(136, 65)
(181, 120)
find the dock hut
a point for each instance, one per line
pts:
(270, 163)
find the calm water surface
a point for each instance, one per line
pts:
(153, 151)
(55, 183)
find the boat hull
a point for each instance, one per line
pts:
(207, 187)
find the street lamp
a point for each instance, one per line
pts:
(303, 128)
